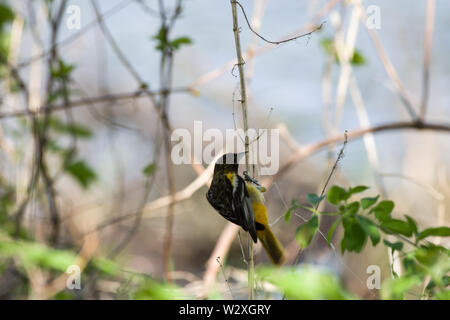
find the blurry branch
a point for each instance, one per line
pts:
(147, 9)
(220, 250)
(108, 98)
(165, 81)
(433, 192)
(345, 49)
(41, 134)
(123, 59)
(203, 178)
(74, 36)
(243, 100)
(280, 41)
(215, 73)
(225, 276)
(87, 252)
(431, 4)
(388, 66)
(258, 11)
(304, 152)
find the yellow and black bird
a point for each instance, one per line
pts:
(242, 203)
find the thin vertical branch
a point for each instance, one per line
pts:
(240, 64)
(431, 4)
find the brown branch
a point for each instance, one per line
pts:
(220, 250)
(389, 67)
(308, 150)
(110, 98)
(215, 73)
(73, 36)
(279, 41)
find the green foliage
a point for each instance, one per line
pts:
(383, 210)
(368, 202)
(336, 195)
(81, 172)
(439, 232)
(6, 15)
(62, 70)
(33, 254)
(424, 260)
(153, 290)
(328, 45)
(370, 228)
(397, 226)
(306, 232)
(314, 199)
(354, 236)
(305, 283)
(394, 245)
(149, 169)
(394, 289)
(163, 43)
(69, 128)
(287, 214)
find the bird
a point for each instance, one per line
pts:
(241, 202)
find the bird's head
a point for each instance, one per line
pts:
(229, 162)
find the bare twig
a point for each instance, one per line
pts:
(108, 98)
(225, 276)
(279, 41)
(389, 67)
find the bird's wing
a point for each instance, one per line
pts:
(243, 207)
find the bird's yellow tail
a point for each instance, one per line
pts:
(270, 243)
(272, 246)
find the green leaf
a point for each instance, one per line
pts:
(397, 226)
(38, 255)
(394, 245)
(153, 290)
(394, 289)
(6, 15)
(412, 224)
(383, 210)
(81, 172)
(443, 295)
(336, 194)
(358, 59)
(149, 169)
(368, 202)
(431, 254)
(287, 214)
(357, 189)
(314, 199)
(354, 236)
(328, 45)
(178, 42)
(161, 38)
(370, 228)
(73, 128)
(62, 70)
(304, 283)
(438, 232)
(332, 230)
(352, 208)
(305, 233)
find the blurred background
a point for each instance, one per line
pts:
(94, 168)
